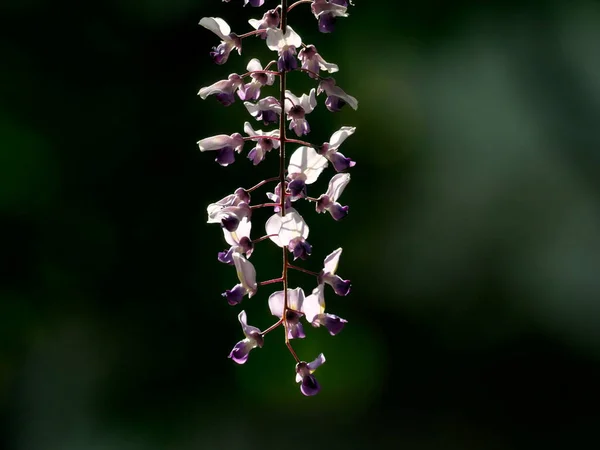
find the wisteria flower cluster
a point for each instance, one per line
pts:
(286, 228)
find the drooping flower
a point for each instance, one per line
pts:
(251, 91)
(327, 275)
(327, 11)
(270, 19)
(285, 45)
(263, 144)
(312, 61)
(295, 299)
(226, 147)
(266, 109)
(239, 240)
(304, 375)
(282, 230)
(330, 149)
(223, 90)
(275, 197)
(328, 201)
(336, 97)
(253, 339)
(229, 40)
(296, 109)
(247, 277)
(305, 167)
(314, 310)
(227, 206)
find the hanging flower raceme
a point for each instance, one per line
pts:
(229, 40)
(285, 228)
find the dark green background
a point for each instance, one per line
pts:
(473, 241)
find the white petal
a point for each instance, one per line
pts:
(331, 262)
(308, 102)
(286, 228)
(340, 136)
(254, 64)
(214, 142)
(255, 23)
(292, 226)
(338, 92)
(336, 186)
(328, 67)
(249, 130)
(276, 303)
(316, 363)
(245, 272)
(290, 100)
(275, 39)
(272, 228)
(214, 88)
(292, 38)
(307, 161)
(217, 26)
(314, 303)
(252, 108)
(295, 299)
(215, 208)
(243, 319)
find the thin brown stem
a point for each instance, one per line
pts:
(260, 239)
(272, 327)
(293, 5)
(300, 269)
(250, 33)
(274, 280)
(268, 72)
(264, 205)
(263, 182)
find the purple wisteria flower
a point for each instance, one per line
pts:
(226, 146)
(235, 204)
(253, 339)
(285, 45)
(239, 240)
(328, 201)
(229, 40)
(275, 198)
(295, 299)
(270, 19)
(330, 149)
(266, 110)
(247, 277)
(305, 167)
(327, 275)
(312, 61)
(251, 91)
(297, 108)
(263, 144)
(304, 375)
(223, 90)
(327, 11)
(336, 97)
(314, 311)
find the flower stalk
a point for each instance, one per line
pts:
(286, 228)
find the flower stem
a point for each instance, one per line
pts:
(272, 327)
(255, 241)
(263, 182)
(274, 280)
(269, 72)
(298, 3)
(250, 33)
(300, 269)
(264, 205)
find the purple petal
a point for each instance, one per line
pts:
(340, 163)
(334, 324)
(269, 116)
(240, 352)
(225, 257)
(235, 295)
(230, 223)
(220, 53)
(287, 60)
(226, 98)
(225, 156)
(341, 287)
(334, 104)
(326, 23)
(297, 188)
(309, 386)
(338, 211)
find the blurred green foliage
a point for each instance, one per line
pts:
(473, 240)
